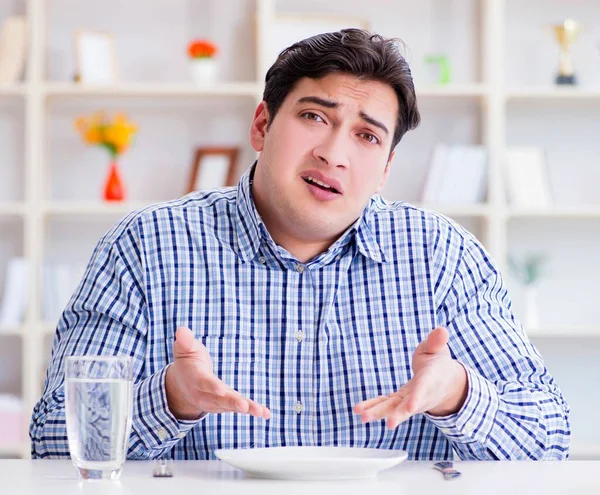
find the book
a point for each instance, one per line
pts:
(435, 174)
(526, 178)
(13, 48)
(457, 175)
(59, 282)
(14, 300)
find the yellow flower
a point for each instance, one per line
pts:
(115, 135)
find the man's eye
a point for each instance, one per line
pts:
(369, 138)
(312, 116)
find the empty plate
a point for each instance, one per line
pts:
(311, 463)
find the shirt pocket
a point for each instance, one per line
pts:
(238, 361)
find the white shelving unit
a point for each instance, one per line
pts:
(478, 108)
(152, 90)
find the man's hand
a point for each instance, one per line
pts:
(439, 386)
(192, 387)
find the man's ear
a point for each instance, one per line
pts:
(386, 172)
(258, 129)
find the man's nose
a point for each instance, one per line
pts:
(333, 151)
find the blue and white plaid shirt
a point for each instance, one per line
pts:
(307, 340)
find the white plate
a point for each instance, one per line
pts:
(311, 463)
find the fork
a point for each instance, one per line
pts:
(162, 468)
(447, 469)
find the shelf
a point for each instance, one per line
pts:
(462, 90)
(12, 90)
(77, 208)
(156, 90)
(553, 93)
(11, 450)
(12, 209)
(556, 212)
(468, 210)
(11, 331)
(564, 332)
(48, 328)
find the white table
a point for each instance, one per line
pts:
(26, 477)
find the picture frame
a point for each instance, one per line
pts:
(290, 28)
(213, 167)
(95, 57)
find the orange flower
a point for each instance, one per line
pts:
(115, 135)
(202, 49)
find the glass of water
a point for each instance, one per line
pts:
(98, 407)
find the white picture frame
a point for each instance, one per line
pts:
(95, 57)
(291, 28)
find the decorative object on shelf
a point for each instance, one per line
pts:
(12, 420)
(440, 65)
(13, 48)
(213, 167)
(566, 33)
(528, 271)
(59, 282)
(526, 177)
(291, 28)
(204, 66)
(95, 58)
(113, 135)
(457, 175)
(16, 292)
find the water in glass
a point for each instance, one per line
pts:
(98, 402)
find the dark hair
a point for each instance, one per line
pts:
(352, 51)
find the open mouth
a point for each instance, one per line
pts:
(314, 182)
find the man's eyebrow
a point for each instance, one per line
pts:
(333, 104)
(319, 101)
(374, 122)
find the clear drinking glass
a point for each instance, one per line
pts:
(99, 408)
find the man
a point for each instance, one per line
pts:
(306, 309)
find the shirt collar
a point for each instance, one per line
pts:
(248, 221)
(251, 229)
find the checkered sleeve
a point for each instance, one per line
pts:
(514, 409)
(107, 315)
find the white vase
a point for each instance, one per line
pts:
(204, 70)
(532, 318)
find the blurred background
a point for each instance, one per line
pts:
(109, 106)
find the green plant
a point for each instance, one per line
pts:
(527, 270)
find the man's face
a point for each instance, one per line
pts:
(326, 152)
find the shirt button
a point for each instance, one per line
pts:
(181, 435)
(262, 260)
(162, 434)
(299, 335)
(298, 407)
(338, 257)
(469, 428)
(300, 268)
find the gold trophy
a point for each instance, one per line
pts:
(566, 33)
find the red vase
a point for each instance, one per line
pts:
(114, 189)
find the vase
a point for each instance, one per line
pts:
(204, 70)
(114, 188)
(532, 318)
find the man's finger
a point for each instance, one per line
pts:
(240, 404)
(366, 404)
(184, 343)
(435, 341)
(211, 404)
(381, 410)
(399, 415)
(213, 385)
